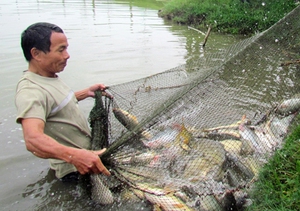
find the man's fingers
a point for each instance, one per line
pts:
(99, 165)
(106, 87)
(99, 169)
(107, 95)
(105, 172)
(83, 170)
(100, 152)
(94, 170)
(102, 168)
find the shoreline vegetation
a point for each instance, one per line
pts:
(278, 185)
(238, 17)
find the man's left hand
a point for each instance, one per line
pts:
(96, 87)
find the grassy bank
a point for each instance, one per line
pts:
(278, 187)
(228, 16)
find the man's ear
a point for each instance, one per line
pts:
(35, 53)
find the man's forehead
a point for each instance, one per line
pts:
(58, 38)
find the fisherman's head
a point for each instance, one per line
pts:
(38, 36)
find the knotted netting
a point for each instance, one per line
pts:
(195, 137)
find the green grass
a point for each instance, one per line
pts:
(228, 16)
(278, 187)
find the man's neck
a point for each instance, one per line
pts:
(39, 71)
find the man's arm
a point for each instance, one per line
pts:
(89, 92)
(43, 146)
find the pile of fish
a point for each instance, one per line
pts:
(182, 168)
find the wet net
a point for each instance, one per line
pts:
(195, 137)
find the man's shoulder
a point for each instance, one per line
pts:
(28, 85)
(28, 90)
(31, 80)
(26, 80)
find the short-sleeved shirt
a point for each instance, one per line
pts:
(52, 101)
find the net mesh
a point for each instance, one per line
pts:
(195, 136)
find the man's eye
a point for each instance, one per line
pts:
(62, 49)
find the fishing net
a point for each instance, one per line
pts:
(194, 137)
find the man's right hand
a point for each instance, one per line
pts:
(87, 161)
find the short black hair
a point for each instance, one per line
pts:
(38, 36)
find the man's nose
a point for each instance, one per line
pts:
(66, 55)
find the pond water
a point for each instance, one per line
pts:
(110, 42)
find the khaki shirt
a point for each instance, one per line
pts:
(52, 101)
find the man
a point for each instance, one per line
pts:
(54, 128)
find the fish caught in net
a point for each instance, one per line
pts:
(98, 118)
(195, 137)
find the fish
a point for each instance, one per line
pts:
(232, 146)
(128, 120)
(128, 194)
(223, 134)
(167, 202)
(253, 164)
(122, 157)
(289, 106)
(140, 172)
(240, 167)
(184, 137)
(137, 192)
(143, 158)
(233, 126)
(205, 160)
(176, 135)
(100, 193)
(266, 139)
(252, 139)
(279, 126)
(210, 203)
(161, 139)
(135, 175)
(232, 178)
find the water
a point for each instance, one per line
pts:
(110, 42)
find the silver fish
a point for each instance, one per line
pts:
(130, 122)
(161, 139)
(249, 135)
(279, 126)
(167, 202)
(125, 118)
(134, 158)
(289, 106)
(267, 139)
(100, 192)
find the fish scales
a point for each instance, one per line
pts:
(168, 202)
(139, 183)
(142, 171)
(100, 193)
(289, 106)
(128, 120)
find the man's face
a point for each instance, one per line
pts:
(56, 60)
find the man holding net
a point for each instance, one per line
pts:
(53, 126)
